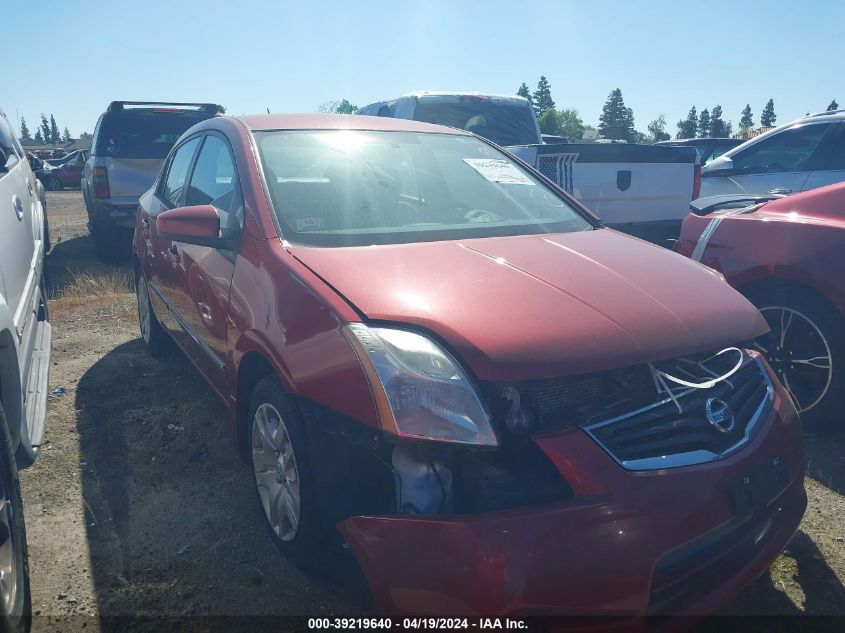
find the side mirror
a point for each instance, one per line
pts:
(719, 165)
(198, 225)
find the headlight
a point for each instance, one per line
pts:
(420, 390)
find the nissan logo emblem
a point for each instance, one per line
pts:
(719, 414)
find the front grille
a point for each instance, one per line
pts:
(660, 436)
(641, 422)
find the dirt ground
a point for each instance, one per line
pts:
(138, 504)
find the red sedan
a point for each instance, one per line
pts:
(502, 406)
(787, 256)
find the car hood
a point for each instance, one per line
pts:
(524, 307)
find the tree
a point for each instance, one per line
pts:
(25, 134)
(616, 121)
(687, 127)
(704, 124)
(55, 136)
(549, 122)
(657, 129)
(45, 130)
(66, 137)
(642, 139)
(344, 107)
(729, 129)
(718, 128)
(768, 118)
(833, 106)
(570, 124)
(524, 91)
(542, 98)
(39, 140)
(747, 121)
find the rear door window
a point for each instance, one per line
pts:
(173, 184)
(831, 154)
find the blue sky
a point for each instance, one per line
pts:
(75, 56)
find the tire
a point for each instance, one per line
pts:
(153, 335)
(52, 183)
(814, 332)
(16, 602)
(271, 407)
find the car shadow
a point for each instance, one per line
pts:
(826, 459)
(766, 607)
(172, 521)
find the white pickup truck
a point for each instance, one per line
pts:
(640, 189)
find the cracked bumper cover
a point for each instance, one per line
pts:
(594, 554)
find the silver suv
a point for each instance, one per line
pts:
(24, 362)
(129, 145)
(799, 156)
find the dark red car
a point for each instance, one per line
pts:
(787, 256)
(68, 173)
(501, 406)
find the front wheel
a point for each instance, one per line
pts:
(52, 183)
(282, 472)
(15, 598)
(806, 349)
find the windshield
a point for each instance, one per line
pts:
(143, 134)
(355, 188)
(503, 122)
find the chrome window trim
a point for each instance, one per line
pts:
(689, 458)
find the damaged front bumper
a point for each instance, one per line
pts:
(627, 543)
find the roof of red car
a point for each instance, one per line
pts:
(339, 122)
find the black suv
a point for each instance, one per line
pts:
(130, 142)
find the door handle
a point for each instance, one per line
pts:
(17, 203)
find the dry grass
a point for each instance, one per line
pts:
(98, 283)
(80, 288)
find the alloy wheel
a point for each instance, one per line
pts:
(799, 354)
(8, 560)
(276, 471)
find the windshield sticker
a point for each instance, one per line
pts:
(309, 223)
(497, 170)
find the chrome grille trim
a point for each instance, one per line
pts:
(689, 458)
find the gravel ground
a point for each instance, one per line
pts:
(138, 504)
